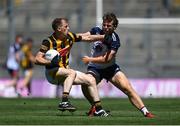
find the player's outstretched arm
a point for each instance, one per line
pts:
(90, 38)
(84, 34)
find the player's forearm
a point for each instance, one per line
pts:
(40, 60)
(84, 34)
(92, 38)
(103, 59)
(100, 59)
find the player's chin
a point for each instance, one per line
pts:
(106, 32)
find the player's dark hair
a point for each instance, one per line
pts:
(19, 36)
(30, 40)
(111, 17)
(57, 22)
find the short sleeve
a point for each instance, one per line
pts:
(95, 30)
(45, 46)
(116, 42)
(112, 41)
(77, 38)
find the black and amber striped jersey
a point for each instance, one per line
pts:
(62, 46)
(25, 61)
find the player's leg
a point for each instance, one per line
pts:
(27, 78)
(90, 82)
(12, 82)
(85, 91)
(87, 95)
(24, 87)
(121, 82)
(69, 75)
(91, 93)
(95, 76)
(14, 78)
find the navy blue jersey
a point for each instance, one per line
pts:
(111, 42)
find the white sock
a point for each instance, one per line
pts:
(144, 110)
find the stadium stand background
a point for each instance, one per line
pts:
(146, 51)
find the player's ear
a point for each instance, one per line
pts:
(58, 29)
(114, 27)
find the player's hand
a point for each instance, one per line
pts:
(55, 61)
(86, 59)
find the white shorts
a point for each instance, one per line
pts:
(53, 78)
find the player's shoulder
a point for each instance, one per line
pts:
(97, 27)
(96, 30)
(116, 41)
(71, 34)
(72, 37)
(46, 40)
(45, 44)
(115, 36)
(25, 48)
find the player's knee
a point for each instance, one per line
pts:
(72, 73)
(92, 81)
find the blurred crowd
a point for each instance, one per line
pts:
(20, 59)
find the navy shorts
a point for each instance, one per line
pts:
(106, 73)
(13, 73)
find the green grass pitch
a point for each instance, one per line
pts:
(43, 111)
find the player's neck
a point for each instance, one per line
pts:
(59, 36)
